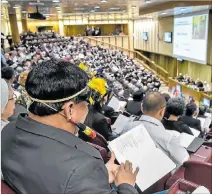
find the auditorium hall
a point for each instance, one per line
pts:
(106, 97)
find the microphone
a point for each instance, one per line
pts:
(86, 130)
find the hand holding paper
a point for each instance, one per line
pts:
(126, 175)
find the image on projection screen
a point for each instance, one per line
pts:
(199, 27)
(190, 38)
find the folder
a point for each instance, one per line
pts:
(138, 147)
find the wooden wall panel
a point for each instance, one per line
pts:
(195, 70)
(113, 40)
(165, 25)
(106, 29)
(33, 24)
(126, 42)
(119, 41)
(150, 26)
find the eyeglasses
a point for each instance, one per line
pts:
(13, 98)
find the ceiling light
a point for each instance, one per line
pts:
(147, 1)
(16, 7)
(24, 11)
(103, 1)
(114, 8)
(163, 13)
(97, 7)
(133, 6)
(59, 11)
(4, 1)
(58, 7)
(55, 1)
(182, 9)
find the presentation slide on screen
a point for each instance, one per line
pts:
(190, 38)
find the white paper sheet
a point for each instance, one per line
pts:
(120, 123)
(186, 139)
(208, 115)
(202, 121)
(201, 190)
(195, 132)
(138, 147)
(114, 103)
(207, 123)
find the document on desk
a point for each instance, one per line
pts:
(120, 123)
(114, 103)
(207, 123)
(186, 139)
(138, 147)
(195, 132)
(202, 121)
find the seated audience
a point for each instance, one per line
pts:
(8, 74)
(134, 106)
(154, 106)
(41, 152)
(175, 108)
(7, 102)
(189, 118)
(196, 85)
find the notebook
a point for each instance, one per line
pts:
(138, 147)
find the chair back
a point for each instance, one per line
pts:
(100, 141)
(182, 186)
(102, 151)
(5, 189)
(199, 173)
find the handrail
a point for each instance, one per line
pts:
(135, 54)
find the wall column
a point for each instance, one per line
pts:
(24, 23)
(14, 28)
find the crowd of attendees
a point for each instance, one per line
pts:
(196, 85)
(93, 31)
(52, 88)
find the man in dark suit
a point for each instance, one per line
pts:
(134, 107)
(188, 119)
(41, 152)
(97, 121)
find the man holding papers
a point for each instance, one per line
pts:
(154, 106)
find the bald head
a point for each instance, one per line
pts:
(153, 103)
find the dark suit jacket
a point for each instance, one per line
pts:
(191, 122)
(176, 126)
(134, 108)
(98, 122)
(37, 158)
